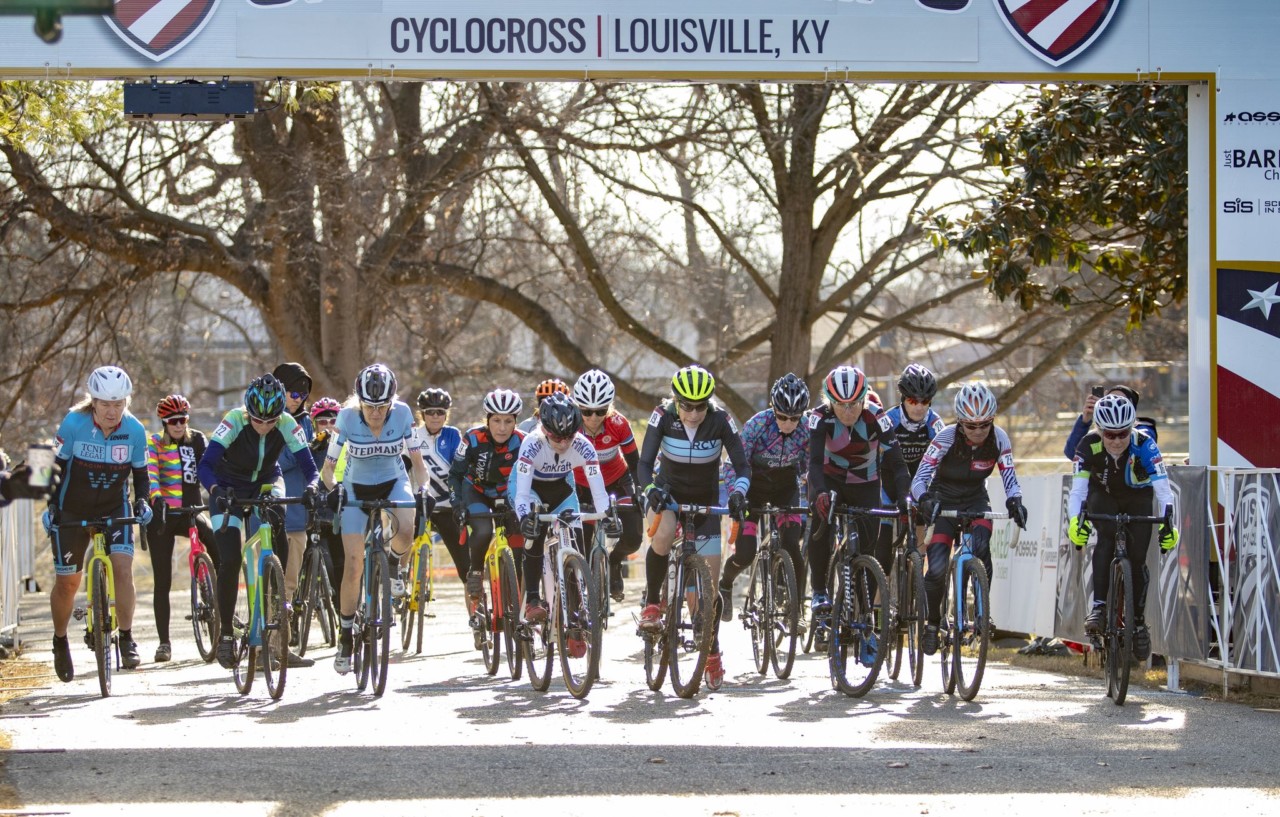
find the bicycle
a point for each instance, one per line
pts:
(573, 621)
(689, 603)
(965, 632)
(498, 613)
(908, 607)
(314, 596)
(420, 590)
(101, 629)
(598, 560)
(260, 624)
(204, 583)
(855, 632)
(771, 610)
(1115, 642)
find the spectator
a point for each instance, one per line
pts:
(1085, 419)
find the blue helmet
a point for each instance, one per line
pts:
(264, 399)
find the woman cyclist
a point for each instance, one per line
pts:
(691, 434)
(100, 446)
(776, 442)
(375, 427)
(546, 388)
(1117, 470)
(324, 417)
(615, 445)
(438, 441)
(953, 476)
(173, 456)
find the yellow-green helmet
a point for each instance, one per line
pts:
(693, 383)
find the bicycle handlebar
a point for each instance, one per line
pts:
(774, 509)
(189, 509)
(380, 504)
(106, 522)
(1125, 519)
(882, 513)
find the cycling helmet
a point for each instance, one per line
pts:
(503, 401)
(549, 387)
(594, 390)
(325, 405)
(435, 398)
(109, 383)
(846, 384)
(1114, 413)
(264, 399)
(975, 402)
(559, 416)
(175, 405)
(790, 395)
(693, 383)
(375, 385)
(917, 382)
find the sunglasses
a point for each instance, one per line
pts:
(594, 412)
(977, 426)
(913, 401)
(326, 421)
(556, 438)
(1116, 435)
(693, 408)
(262, 422)
(786, 418)
(299, 395)
(434, 412)
(176, 421)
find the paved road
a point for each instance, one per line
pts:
(446, 739)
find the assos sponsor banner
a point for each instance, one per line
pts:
(1248, 172)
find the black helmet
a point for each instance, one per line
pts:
(435, 398)
(559, 416)
(918, 383)
(375, 385)
(790, 395)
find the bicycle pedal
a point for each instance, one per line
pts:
(79, 613)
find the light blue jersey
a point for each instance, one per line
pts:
(374, 459)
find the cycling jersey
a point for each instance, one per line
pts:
(437, 454)
(540, 464)
(295, 516)
(95, 465)
(776, 459)
(956, 472)
(691, 462)
(853, 455)
(483, 465)
(914, 438)
(238, 457)
(373, 458)
(172, 466)
(1138, 470)
(615, 446)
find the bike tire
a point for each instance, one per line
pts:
(974, 637)
(324, 604)
(856, 648)
(898, 631)
(275, 628)
(246, 657)
(755, 617)
(1119, 632)
(917, 610)
(489, 609)
(600, 587)
(379, 626)
(576, 611)
(304, 601)
(656, 659)
(688, 656)
(204, 607)
(785, 617)
(407, 607)
(103, 633)
(425, 590)
(539, 653)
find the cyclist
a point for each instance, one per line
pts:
(324, 416)
(776, 442)
(438, 441)
(173, 455)
(480, 474)
(297, 387)
(1081, 427)
(100, 444)
(545, 389)
(915, 424)
(544, 476)
(852, 452)
(610, 433)
(375, 427)
(1117, 469)
(691, 433)
(242, 462)
(953, 476)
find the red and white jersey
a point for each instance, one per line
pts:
(615, 439)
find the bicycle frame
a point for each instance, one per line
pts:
(99, 615)
(962, 630)
(373, 614)
(496, 623)
(760, 614)
(203, 584)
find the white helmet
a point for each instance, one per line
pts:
(975, 403)
(1114, 413)
(109, 383)
(503, 401)
(594, 390)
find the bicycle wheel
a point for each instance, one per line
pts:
(246, 657)
(859, 615)
(102, 632)
(510, 610)
(600, 587)
(913, 613)
(754, 617)
(578, 637)
(691, 627)
(491, 648)
(204, 607)
(785, 616)
(324, 604)
(539, 653)
(655, 651)
(973, 637)
(424, 584)
(897, 629)
(379, 652)
(275, 628)
(407, 607)
(304, 602)
(1119, 632)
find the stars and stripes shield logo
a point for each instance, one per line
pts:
(1248, 382)
(158, 28)
(1056, 30)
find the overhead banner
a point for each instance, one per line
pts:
(582, 39)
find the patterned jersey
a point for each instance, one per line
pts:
(691, 462)
(615, 446)
(482, 464)
(1139, 468)
(853, 455)
(539, 462)
(437, 453)
(776, 459)
(172, 466)
(239, 457)
(95, 465)
(957, 472)
(373, 458)
(914, 438)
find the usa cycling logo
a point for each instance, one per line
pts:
(159, 28)
(1056, 30)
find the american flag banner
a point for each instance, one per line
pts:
(1247, 376)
